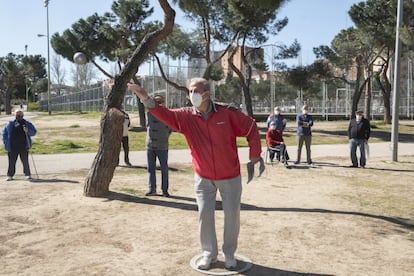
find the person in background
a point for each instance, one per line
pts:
(359, 130)
(157, 147)
(211, 130)
(125, 139)
(278, 118)
(17, 142)
(304, 133)
(275, 143)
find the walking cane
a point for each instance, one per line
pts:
(30, 152)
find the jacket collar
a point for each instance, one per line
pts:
(212, 107)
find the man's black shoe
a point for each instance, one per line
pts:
(166, 194)
(150, 193)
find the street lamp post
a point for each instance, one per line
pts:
(48, 58)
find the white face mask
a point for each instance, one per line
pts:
(277, 113)
(196, 99)
(304, 111)
(358, 117)
(273, 127)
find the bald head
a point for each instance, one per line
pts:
(19, 114)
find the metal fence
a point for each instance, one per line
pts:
(92, 100)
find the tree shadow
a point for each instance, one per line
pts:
(334, 165)
(403, 222)
(268, 271)
(138, 129)
(152, 200)
(302, 166)
(53, 180)
(146, 167)
(256, 269)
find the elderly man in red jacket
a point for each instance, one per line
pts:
(211, 130)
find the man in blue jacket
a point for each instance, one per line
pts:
(17, 142)
(304, 132)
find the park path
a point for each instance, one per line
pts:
(56, 163)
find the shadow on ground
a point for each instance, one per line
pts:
(155, 200)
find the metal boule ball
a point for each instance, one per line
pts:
(80, 58)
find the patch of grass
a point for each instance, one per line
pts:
(62, 146)
(132, 191)
(80, 132)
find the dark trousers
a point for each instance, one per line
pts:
(24, 157)
(163, 159)
(280, 151)
(125, 146)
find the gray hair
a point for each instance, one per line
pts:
(203, 81)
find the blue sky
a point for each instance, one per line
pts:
(311, 22)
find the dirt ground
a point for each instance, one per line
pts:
(326, 219)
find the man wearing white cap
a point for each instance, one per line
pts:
(17, 142)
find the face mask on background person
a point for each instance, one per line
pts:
(196, 99)
(304, 111)
(273, 127)
(277, 113)
(358, 117)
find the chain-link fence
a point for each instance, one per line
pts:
(92, 100)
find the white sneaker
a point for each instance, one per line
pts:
(9, 178)
(28, 177)
(230, 262)
(205, 262)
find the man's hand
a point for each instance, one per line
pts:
(250, 168)
(139, 91)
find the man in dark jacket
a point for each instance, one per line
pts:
(17, 142)
(358, 133)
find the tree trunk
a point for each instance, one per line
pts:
(7, 102)
(357, 90)
(141, 107)
(368, 93)
(387, 99)
(106, 160)
(141, 113)
(387, 106)
(244, 82)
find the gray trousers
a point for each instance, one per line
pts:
(308, 141)
(230, 192)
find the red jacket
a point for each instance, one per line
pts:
(273, 137)
(213, 141)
